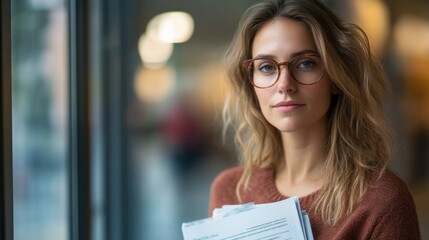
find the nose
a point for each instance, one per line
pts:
(286, 83)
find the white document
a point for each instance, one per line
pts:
(281, 220)
(307, 226)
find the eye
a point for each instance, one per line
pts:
(306, 63)
(266, 67)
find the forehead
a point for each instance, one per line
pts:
(281, 38)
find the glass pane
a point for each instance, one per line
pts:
(39, 115)
(98, 136)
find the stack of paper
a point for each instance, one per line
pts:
(279, 220)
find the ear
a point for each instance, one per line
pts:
(334, 89)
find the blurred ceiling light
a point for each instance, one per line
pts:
(171, 27)
(211, 76)
(154, 53)
(373, 17)
(154, 85)
(411, 36)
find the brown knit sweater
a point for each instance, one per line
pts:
(387, 210)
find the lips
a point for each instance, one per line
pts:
(286, 106)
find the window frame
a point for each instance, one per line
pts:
(6, 173)
(80, 214)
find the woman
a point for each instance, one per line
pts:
(307, 106)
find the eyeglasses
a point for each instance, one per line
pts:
(264, 72)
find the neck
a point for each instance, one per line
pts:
(304, 156)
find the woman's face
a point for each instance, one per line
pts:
(288, 105)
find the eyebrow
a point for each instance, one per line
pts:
(293, 55)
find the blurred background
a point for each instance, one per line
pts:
(155, 90)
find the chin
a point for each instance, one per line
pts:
(287, 127)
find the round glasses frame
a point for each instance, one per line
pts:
(289, 64)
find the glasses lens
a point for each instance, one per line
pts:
(264, 72)
(307, 69)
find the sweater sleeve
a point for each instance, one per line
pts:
(397, 217)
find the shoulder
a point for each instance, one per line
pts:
(392, 205)
(389, 190)
(223, 188)
(227, 178)
(226, 182)
(390, 187)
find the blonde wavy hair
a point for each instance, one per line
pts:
(358, 141)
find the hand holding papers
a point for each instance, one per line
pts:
(279, 220)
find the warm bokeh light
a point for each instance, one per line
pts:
(212, 77)
(411, 36)
(171, 27)
(154, 53)
(373, 17)
(154, 85)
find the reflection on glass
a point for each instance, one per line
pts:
(39, 115)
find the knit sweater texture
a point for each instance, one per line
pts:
(386, 211)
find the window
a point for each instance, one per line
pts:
(40, 119)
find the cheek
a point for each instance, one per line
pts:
(263, 96)
(324, 96)
(324, 91)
